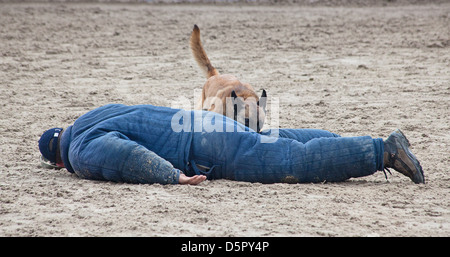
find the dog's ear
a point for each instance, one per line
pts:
(263, 100)
(233, 94)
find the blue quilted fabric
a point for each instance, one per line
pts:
(150, 144)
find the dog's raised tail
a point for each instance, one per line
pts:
(200, 55)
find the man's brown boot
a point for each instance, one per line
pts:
(398, 156)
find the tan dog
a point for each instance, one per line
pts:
(225, 94)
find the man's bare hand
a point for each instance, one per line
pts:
(195, 180)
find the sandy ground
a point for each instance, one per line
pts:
(350, 70)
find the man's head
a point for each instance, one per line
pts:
(48, 145)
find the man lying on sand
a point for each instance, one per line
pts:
(151, 144)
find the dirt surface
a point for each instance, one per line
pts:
(351, 70)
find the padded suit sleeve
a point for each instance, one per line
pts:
(114, 157)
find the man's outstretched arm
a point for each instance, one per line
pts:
(114, 157)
